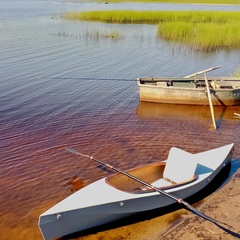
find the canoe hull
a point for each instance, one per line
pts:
(187, 93)
(99, 203)
(75, 221)
(64, 223)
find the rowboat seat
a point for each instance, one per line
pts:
(221, 84)
(180, 169)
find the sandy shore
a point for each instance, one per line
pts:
(223, 205)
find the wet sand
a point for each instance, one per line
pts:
(223, 205)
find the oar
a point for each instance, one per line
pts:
(201, 72)
(210, 100)
(179, 200)
(208, 90)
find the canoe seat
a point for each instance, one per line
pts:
(180, 166)
(161, 183)
(180, 169)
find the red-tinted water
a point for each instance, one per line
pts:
(53, 94)
(37, 172)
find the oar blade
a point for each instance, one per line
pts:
(72, 150)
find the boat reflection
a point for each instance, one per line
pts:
(146, 110)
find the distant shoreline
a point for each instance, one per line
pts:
(218, 2)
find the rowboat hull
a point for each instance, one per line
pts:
(224, 91)
(100, 203)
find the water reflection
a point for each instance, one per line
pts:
(75, 183)
(146, 110)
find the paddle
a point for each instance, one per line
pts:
(179, 200)
(208, 90)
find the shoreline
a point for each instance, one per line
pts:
(224, 209)
(161, 2)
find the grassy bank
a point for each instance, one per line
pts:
(128, 16)
(199, 29)
(117, 16)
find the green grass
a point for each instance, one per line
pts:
(202, 30)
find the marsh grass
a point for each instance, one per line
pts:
(97, 34)
(129, 16)
(115, 16)
(94, 34)
(202, 30)
(202, 36)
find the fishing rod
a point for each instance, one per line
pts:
(179, 200)
(146, 79)
(96, 79)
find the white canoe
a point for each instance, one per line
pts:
(183, 174)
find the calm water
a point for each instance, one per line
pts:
(60, 86)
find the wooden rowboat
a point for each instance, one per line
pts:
(117, 196)
(191, 90)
